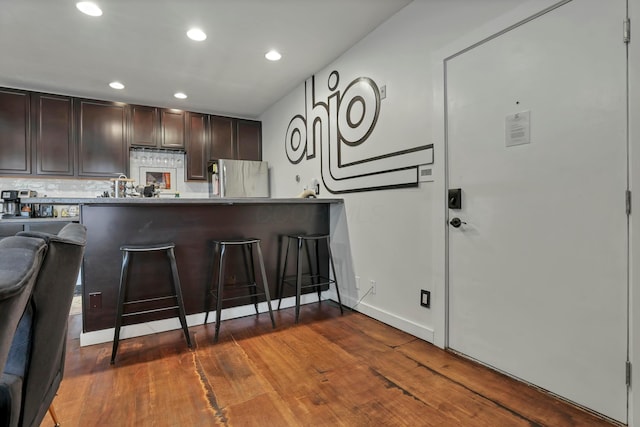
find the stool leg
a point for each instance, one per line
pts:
(317, 277)
(250, 273)
(265, 284)
(119, 310)
(212, 281)
(178, 290)
(312, 276)
(219, 292)
(298, 279)
(335, 278)
(284, 272)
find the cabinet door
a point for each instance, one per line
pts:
(144, 126)
(222, 141)
(102, 144)
(172, 128)
(197, 142)
(15, 132)
(53, 135)
(249, 140)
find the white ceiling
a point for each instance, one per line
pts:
(49, 46)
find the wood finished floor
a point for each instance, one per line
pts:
(329, 370)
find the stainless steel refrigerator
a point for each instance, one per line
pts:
(238, 178)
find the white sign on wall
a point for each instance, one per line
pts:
(517, 128)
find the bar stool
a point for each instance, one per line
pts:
(310, 279)
(216, 289)
(126, 251)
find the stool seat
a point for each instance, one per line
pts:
(310, 279)
(150, 247)
(126, 250)
(309, 236)
(246, 241)
(216, 288)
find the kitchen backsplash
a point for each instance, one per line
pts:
(153, 161)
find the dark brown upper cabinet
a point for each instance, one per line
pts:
(248, 140)
(145, 126)
(15, 132)
(235, 139)
(197, 144)
(154, 127)
(172, 125)
(53, 134)
(102, 143)
(222, 138)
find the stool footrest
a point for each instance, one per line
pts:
(140, 301)
(308, 280)
(155, 310)
(240, 296)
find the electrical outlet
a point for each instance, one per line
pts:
(95, 300)
(383, 91)
(425, 298)
(358, 282)
(373, 286)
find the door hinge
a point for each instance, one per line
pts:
(628, 373)
(626, 30)
(628, 202)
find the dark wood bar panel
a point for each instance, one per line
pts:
(191, 225)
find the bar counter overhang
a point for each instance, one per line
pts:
(191, 224)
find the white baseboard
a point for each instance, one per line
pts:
(391, 319)
(156, 326)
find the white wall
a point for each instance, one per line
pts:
(396, 235)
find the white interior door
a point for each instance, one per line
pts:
(537, 279)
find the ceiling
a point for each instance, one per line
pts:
(49, 46)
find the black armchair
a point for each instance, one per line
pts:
(20, 263)
(44, 325)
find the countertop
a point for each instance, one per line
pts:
(175, 201)
(47, 219)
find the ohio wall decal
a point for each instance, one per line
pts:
(339, 128)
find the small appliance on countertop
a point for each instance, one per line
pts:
(25, 194)
(10, 203)
(28, 209)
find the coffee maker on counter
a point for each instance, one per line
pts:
(10, 203)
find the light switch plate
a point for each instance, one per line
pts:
(425, 298)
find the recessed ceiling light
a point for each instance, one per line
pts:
(116, 85)
(89, 8)
(196, 34)
(273, 55)
(180, 95)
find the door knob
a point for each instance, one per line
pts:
(456, 222)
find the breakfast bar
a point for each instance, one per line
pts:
(191, 224)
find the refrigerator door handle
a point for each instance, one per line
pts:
(223, 179)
